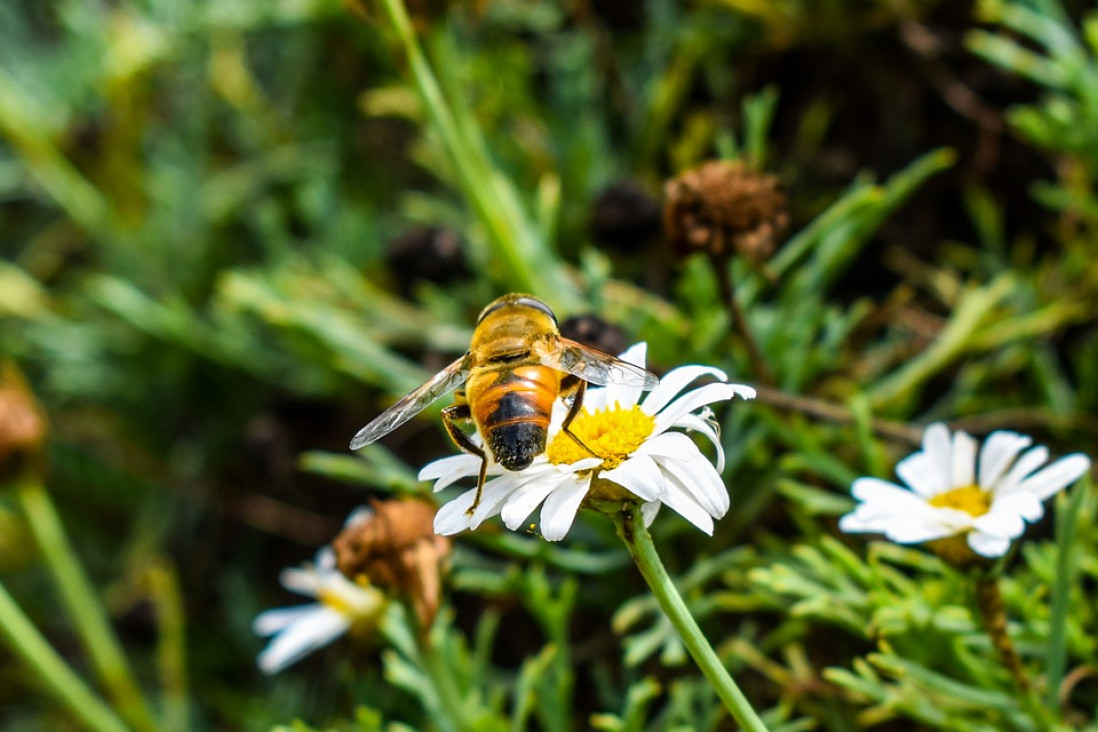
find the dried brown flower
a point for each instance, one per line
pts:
(625, 217)
(591, 330)
(22, 424)
(724, 208)
(395, 547)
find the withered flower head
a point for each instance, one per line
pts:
(395, 546)
(427, 254)
(625, 217)
(591, 330)
(723, 208)
(22, 424)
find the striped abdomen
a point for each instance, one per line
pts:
(511, 408)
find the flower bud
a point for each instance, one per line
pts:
(22, 425)
(725, 208)
(427, 254)
(624, 217)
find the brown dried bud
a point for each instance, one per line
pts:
(22, 424)
(725, 208)
(625, 217)
(591, 330)
(427, 254)
(395, 547)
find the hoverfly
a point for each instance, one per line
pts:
(516, 366)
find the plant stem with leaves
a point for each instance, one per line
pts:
(630, 527)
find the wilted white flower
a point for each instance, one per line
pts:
(949, 493)
(342, 605)
(638, 455)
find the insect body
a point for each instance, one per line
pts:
(516, 367)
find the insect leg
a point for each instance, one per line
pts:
(449, 416)
(579, 386)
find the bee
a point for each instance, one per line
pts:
(516, 367)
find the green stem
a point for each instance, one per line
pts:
(83, 605)
(631, 529)
(521, 250)
(19, 634)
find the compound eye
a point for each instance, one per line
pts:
(536, 304)
(514, 300)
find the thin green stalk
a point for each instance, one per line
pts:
(162, 586)
(23, 639)
(530, 266)
(631, 529)
(83, 605)
(1067, 565)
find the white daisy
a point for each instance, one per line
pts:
(949, 495)
(638, 456)
(300, 630)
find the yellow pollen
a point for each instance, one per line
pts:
(612, 434)
(970, 499)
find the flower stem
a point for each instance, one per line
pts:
(631, 529)
(83, 604)
(19, 634)
(989, 600)
(739, 322)
(530, 265)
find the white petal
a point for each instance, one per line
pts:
(914, 529)
(640, 476)
(695, 423)
(359, 516)
(270, 622)
(1053, 479)
(987, 545)
(964, 460)
(649, 511)
(997, 454)
(1030, 460)
(875, 490)
(449, 470)
(520, 504)
(454, 518)
(692, 400)
(919, 472)
(1003, 523)
(302, 638)
(559, 510)
(1026, 505)
(674, 382)
(698, 476)
(623, 394)
(636, 354)
(679, 499)
(302, 580)
(939, 450)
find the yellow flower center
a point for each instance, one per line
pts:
(971, 499)
(612, 434)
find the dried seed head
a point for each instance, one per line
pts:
(22, 424)
(625, 217)
(591, 330)
(725, 208)
(395, 547)
(427, 254)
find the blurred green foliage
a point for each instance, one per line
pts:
(198, 201)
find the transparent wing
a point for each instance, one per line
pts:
(595, 366)
(446, 380)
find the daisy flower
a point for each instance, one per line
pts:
(958, 502)
(638, 455)
(342, 605)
